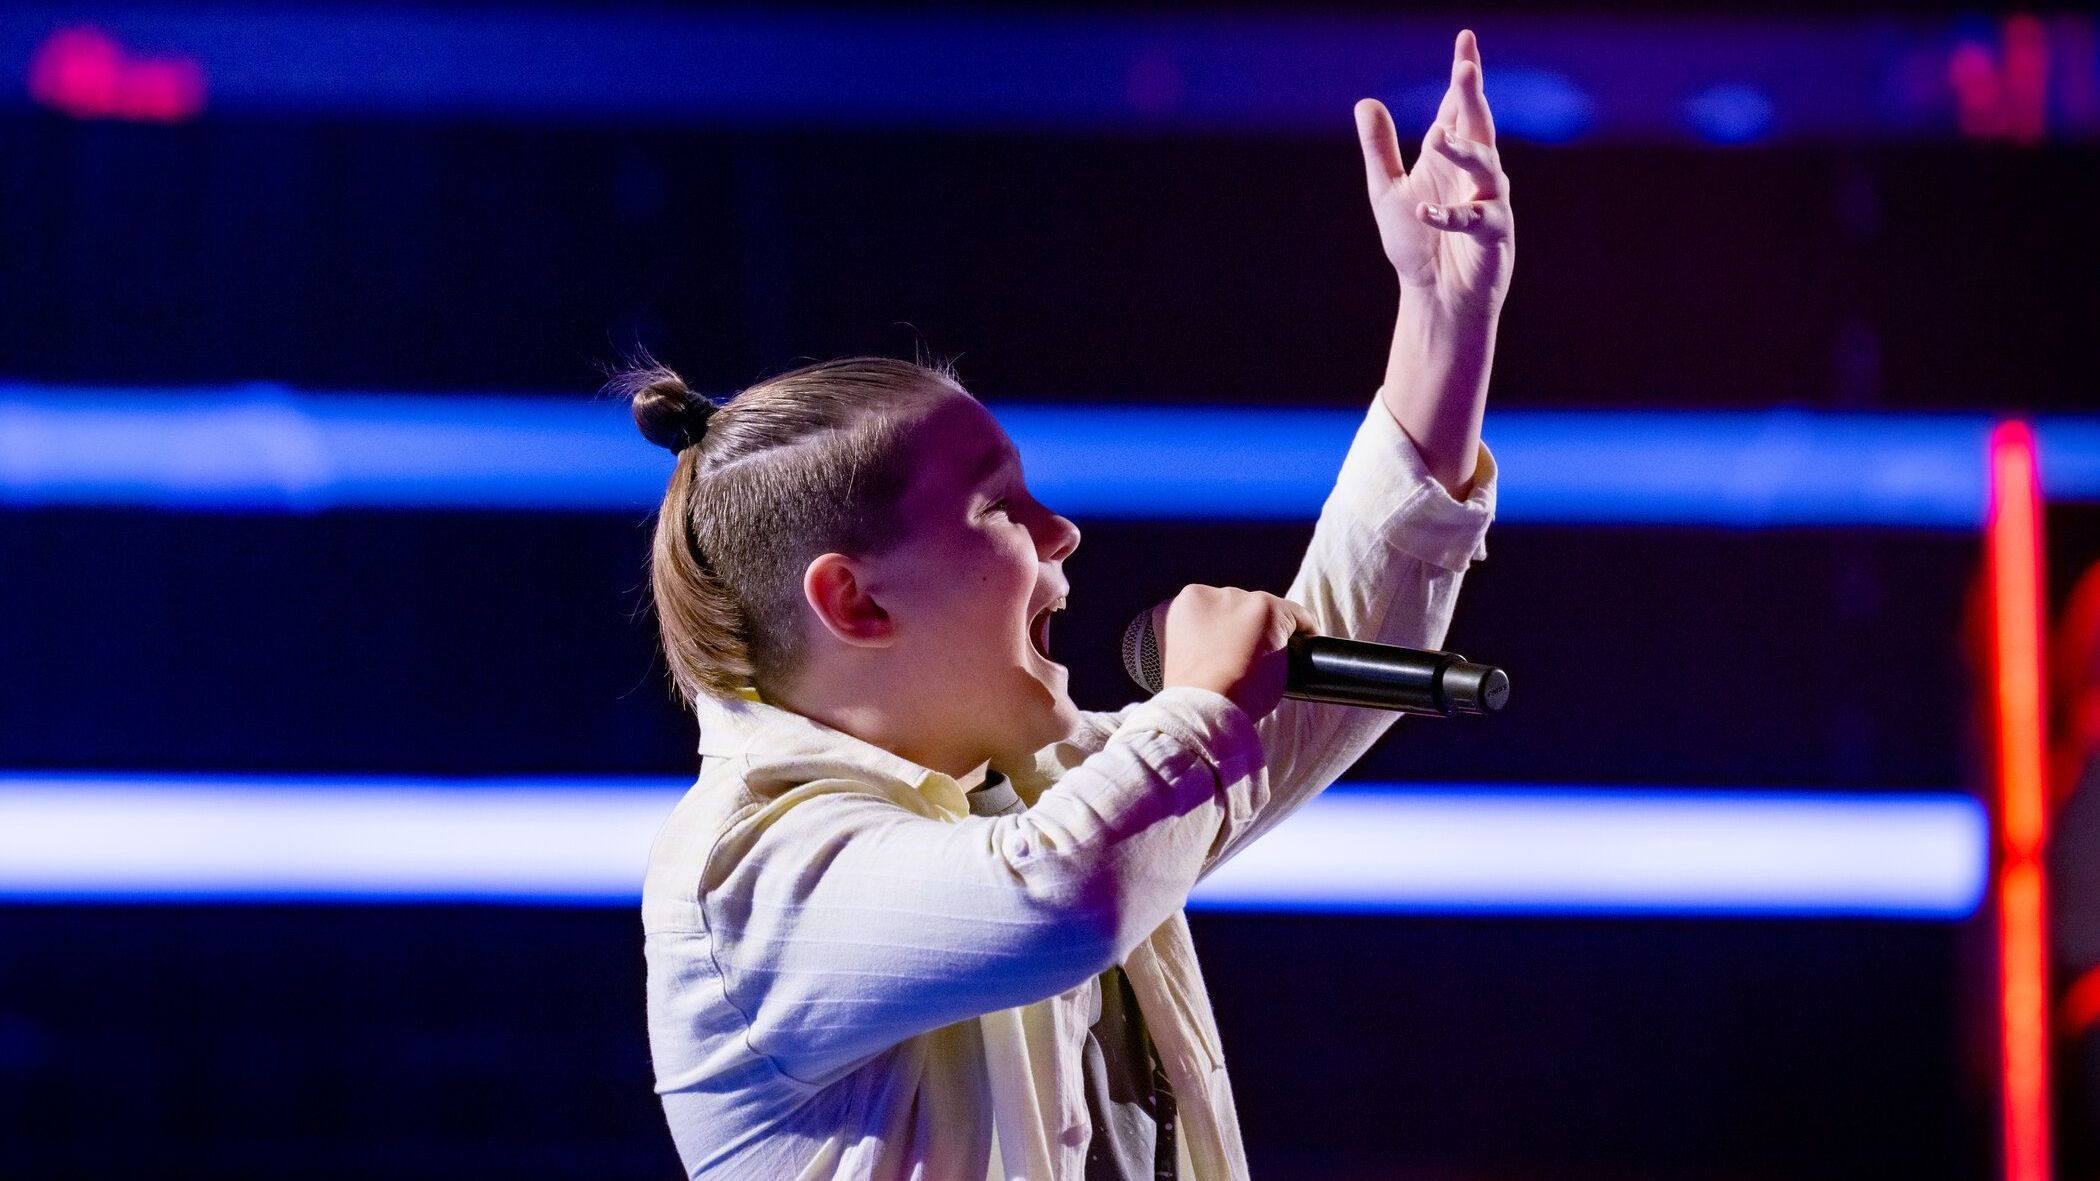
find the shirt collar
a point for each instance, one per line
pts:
(781, 748)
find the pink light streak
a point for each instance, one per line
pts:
(83, 72)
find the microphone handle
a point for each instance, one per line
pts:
(1352, 672)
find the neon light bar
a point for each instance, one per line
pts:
(1553, 79)
(267, 449)
(2014, 541)
(1363, 847)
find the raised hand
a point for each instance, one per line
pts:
(1446, 226)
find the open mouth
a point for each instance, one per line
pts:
(1039, 628)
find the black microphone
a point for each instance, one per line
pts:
(1352, 672)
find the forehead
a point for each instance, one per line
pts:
(955, 446)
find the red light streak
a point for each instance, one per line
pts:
(2014, 549)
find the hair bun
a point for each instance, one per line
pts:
(669, 413)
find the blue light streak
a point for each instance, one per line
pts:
(266, 449)
(1362, 848)
(1730, 113)
(1552, 78)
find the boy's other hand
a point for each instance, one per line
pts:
(1233, 642)
(1446, 226)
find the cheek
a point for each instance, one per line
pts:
(1000, 596)
(981, 581)
(1002, 583)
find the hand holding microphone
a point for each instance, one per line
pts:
(1227, 640)
(1257, 648)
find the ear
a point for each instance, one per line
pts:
(834, 588)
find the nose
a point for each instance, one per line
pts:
(1058, 539)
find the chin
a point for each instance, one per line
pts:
(1067, 715)
(1054, 720)
(1067, 720)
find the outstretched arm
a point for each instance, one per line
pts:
(1410, 509)
(1448, 230)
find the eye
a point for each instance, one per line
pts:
(998, 505)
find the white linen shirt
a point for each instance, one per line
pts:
(850, 976)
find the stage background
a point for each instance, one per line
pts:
(1151, 240)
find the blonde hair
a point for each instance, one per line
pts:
(809, 462)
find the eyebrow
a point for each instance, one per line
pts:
(991, 462)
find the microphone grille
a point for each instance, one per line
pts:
(1141, 653)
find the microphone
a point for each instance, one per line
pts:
(1351, 672)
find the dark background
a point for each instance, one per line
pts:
(453, 256)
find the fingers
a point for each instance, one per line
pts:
(1466, 47)
(1447, 110)
(1464, 105)
(1468, 84)
(1381, 146)
(1479, 161)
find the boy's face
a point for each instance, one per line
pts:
(980, 561)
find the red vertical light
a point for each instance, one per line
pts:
(2015, 566)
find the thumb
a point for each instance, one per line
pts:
(1381, 146)
(1293, 618)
